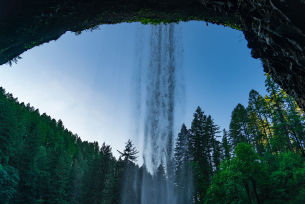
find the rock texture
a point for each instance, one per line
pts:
(275, 29)
(28, 23)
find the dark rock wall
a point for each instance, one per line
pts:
(274, 28)
(28, 23)
(276, 33)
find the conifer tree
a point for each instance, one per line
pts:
(213, 148)
(199, 152)
(226, 147)
(275, 100)
(181, 150)
(216, 155)
(296, 122)
(8, 127)
(183, 168)
(239, 126)
(259, 125)
(129, 174)
(129, 153)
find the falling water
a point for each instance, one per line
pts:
(159, 114)
(160, 98)
(155, 99)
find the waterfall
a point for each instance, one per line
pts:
(160, 101)
(155, 107)
(159, 112)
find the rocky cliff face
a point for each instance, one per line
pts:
(27, 23)
(275, 29)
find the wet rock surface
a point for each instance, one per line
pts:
(275, 29)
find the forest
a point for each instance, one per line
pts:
(259, 159)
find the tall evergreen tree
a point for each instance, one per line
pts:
(259, 125)
(129, 189)
(226, 147)
(275, 99)
(296, 124)
(129, 153)
(183, 168)
(213, 147)
(200, 154)
(181, 150)
(239, 126)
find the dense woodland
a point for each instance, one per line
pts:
(260, 159)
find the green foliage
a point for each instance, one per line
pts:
(269, 168)
(226, 147)
(9, 179)
(42, 162)
(183, 167)
(262, 156)
(14, 60)
(288, 177)
(260, 160)
(239, 125)
(197, 157)
(130, 152)
(234, 183)
(226, 187)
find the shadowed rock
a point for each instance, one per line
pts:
(274, 28)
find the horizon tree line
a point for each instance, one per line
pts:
(260, 159)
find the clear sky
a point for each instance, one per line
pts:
(86, 80)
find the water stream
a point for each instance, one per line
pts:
(156, 96)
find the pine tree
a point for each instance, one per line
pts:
(213, 148)
(239, 126)
(216, 155)
(29, 172)
(129, 172)
(183, 169)
(9, 179)
(79, 167)
(275, 100)
(181, 150)
(296, 123)
(199, 152)
(259, 126)
(129, 153)
(226, 147)
(8, 127)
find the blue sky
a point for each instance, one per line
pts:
(86, 80)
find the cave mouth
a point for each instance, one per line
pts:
(98, 69)
(274, 29)
(97, 87)
(96, 81)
